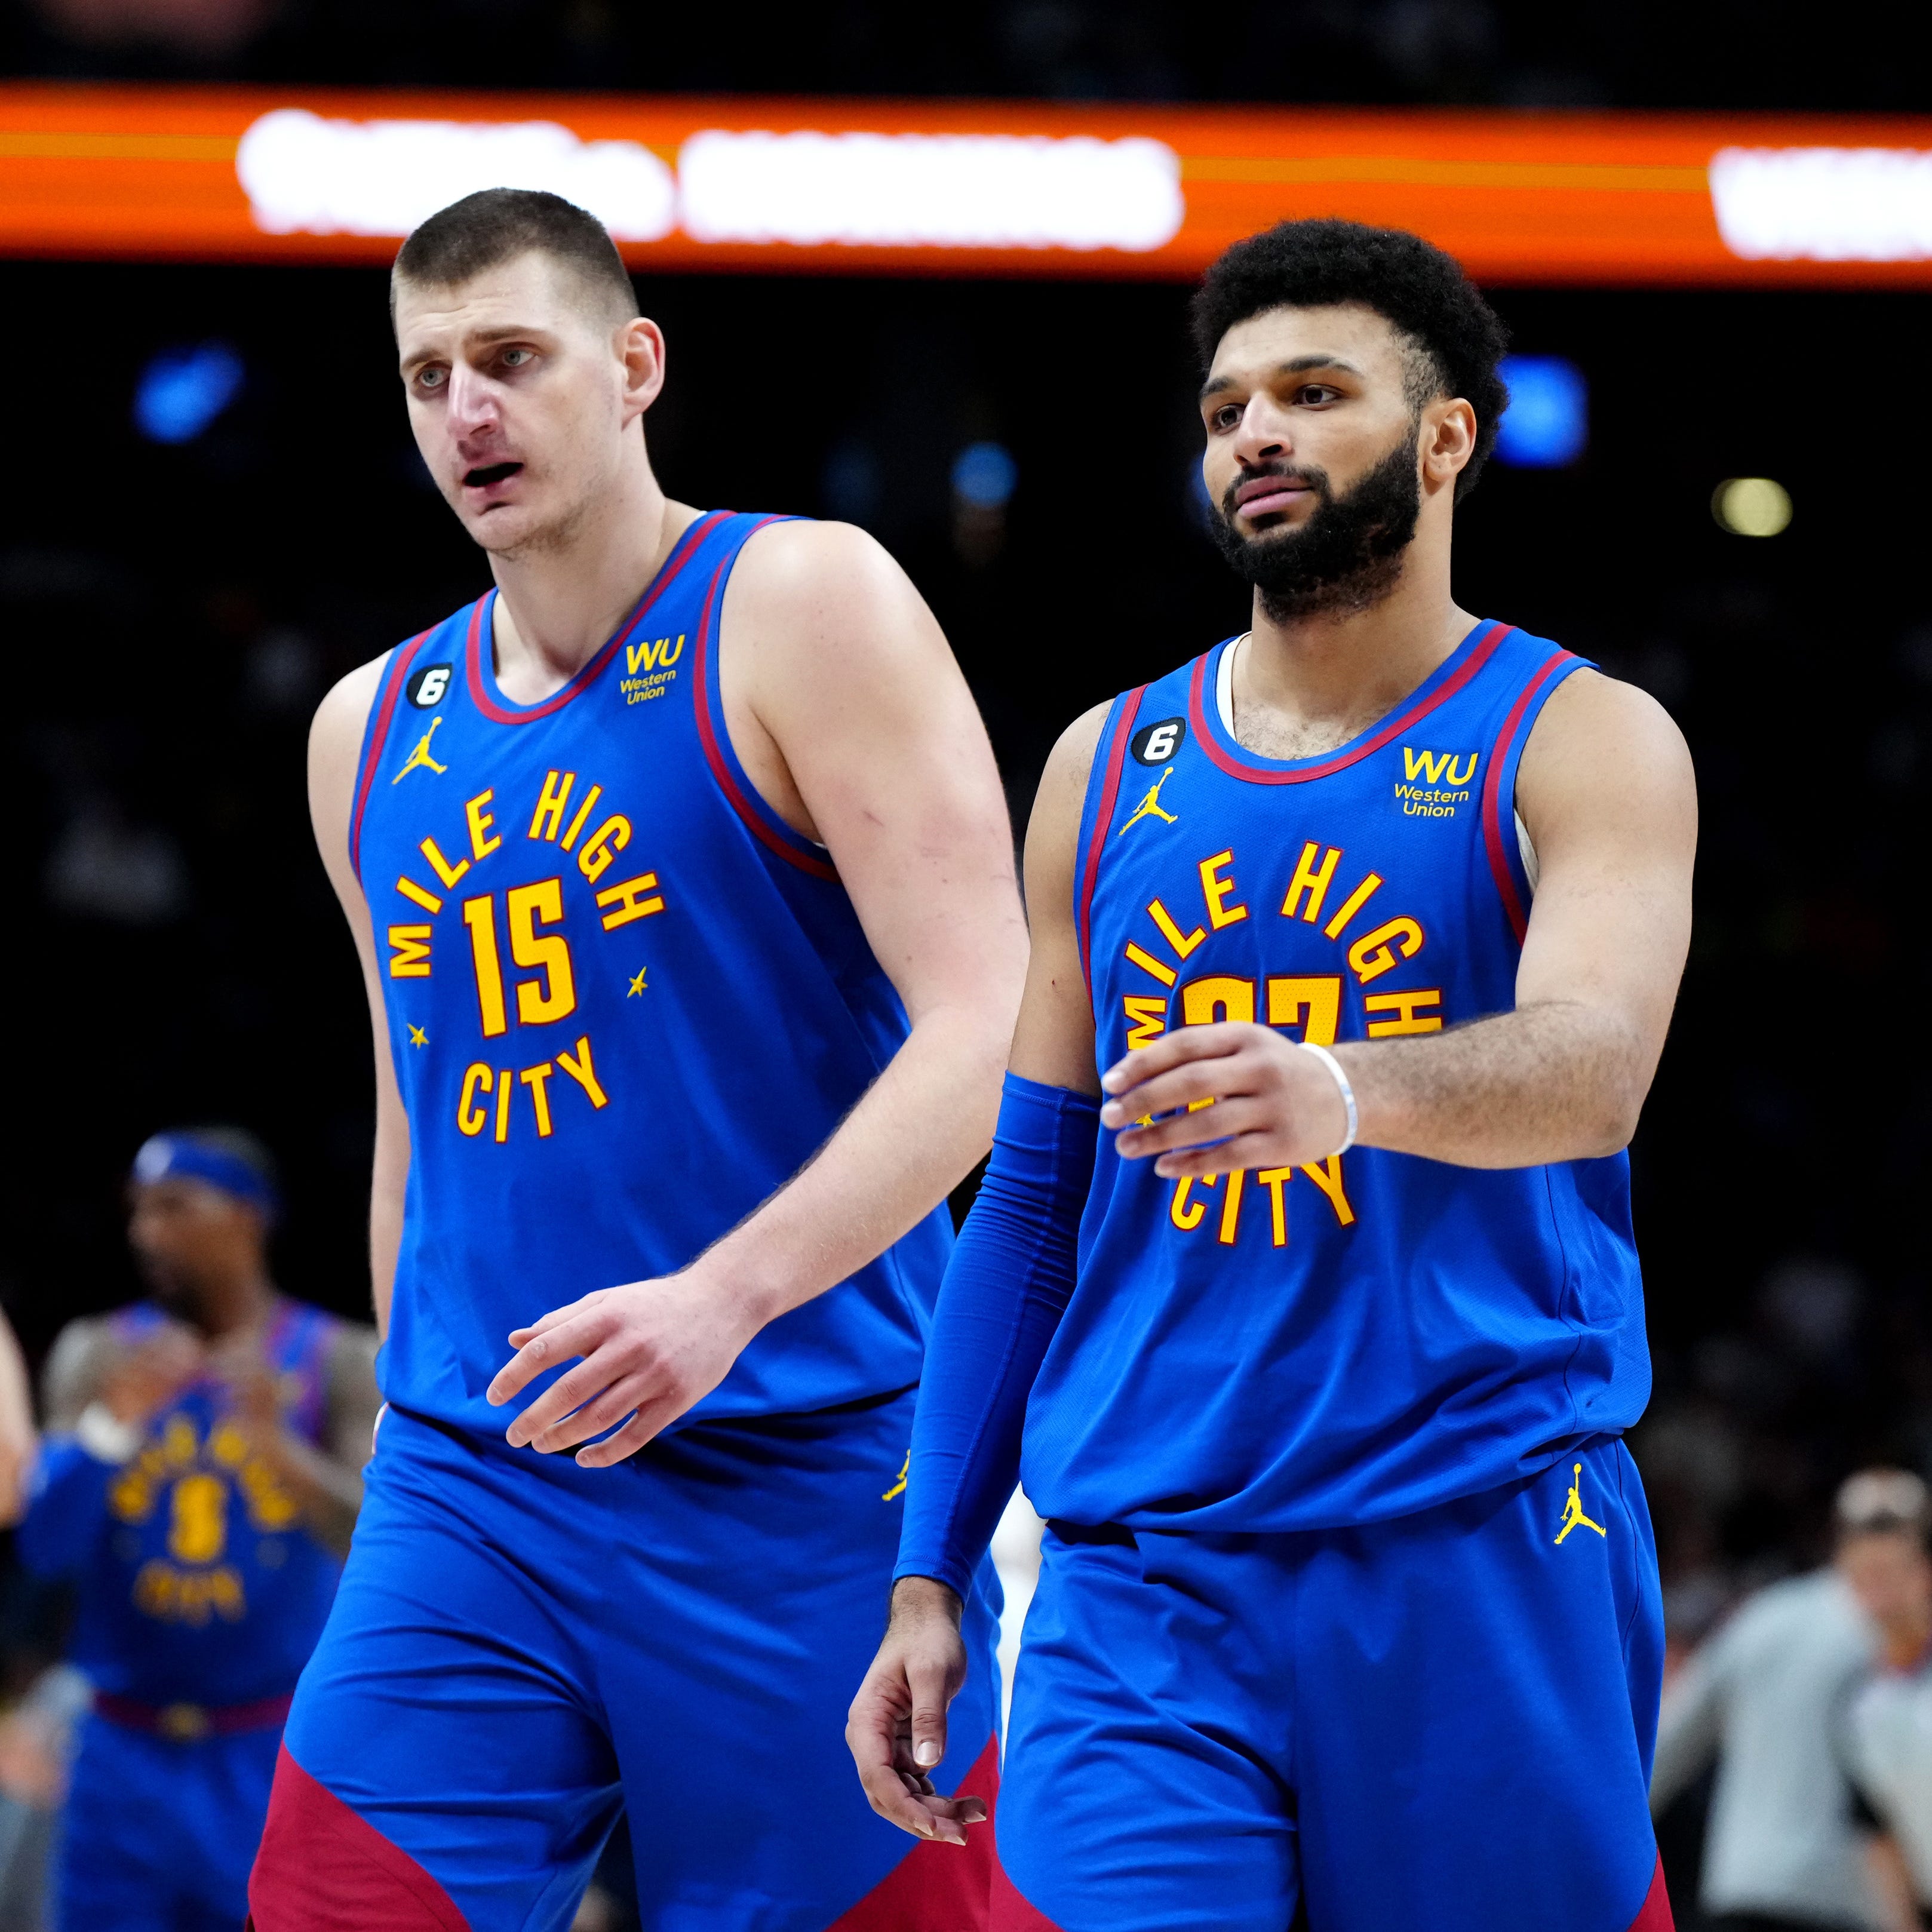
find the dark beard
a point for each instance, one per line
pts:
(1347, 556)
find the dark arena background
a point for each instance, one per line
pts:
(177, 590)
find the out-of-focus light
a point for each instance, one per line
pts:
(930, 190)
(306, 174)
(1824, 204)
(182, 391)
(984, 475)
(1548, 421)
(1751, 506)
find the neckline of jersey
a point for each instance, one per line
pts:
(1455, 670)
(482, 670)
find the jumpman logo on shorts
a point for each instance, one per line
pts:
(420, 758)
(1573, 1517)
(1150, 806)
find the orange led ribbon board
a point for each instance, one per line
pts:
(950, 188)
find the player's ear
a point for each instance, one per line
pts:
(1447, 440)
(641, 347)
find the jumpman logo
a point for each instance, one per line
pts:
(1573, 1517)
(1150, 806)
(420, 757)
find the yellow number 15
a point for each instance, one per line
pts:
(553, 996)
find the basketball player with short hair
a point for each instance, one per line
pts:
(681, 876)
(1305, 1253)
(197, 1485)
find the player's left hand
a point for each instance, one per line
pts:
(650, 1350)
(1275, 1105)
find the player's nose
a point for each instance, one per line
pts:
(473, 406)
(1264, 435)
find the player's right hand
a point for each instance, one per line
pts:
(896, 1728)
(141, 1380)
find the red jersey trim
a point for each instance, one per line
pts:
(1480, 646)
(1493, 825)
(501, 712)
(375, 736)
(1655, 1915)
(770, 831)
(1103, 818)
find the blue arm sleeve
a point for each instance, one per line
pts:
(1007, 1286)
(66, 1508)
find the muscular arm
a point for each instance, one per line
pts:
(1605, 788)
(849, 713)
(335, 746)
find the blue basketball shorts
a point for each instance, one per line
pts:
(157, 1834)
(1444, 1721)
(519, 1645)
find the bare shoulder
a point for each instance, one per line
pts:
(831, 591)
(1600, 739)
(1055, 826)
(335, 733)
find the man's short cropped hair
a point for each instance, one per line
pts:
(1453, 339)
(496, 225)
(1883, 1502)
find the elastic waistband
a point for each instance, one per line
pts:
(183, 1723)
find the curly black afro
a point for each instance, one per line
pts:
(1455, 338)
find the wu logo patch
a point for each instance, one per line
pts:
(1149, 807)
(1437, 768)
(1573, 1517)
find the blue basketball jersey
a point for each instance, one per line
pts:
(626, 1002)
(1310, 1347)
(202, 1585)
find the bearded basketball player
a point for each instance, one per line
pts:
(1304, 1265)
(680, 871)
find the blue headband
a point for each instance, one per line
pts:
(180, 1157)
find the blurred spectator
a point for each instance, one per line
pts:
(36, 1750)
(199, 1483)
(1766, 1695)
(1887, 1738)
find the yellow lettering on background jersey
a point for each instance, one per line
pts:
(408, 949)
(1327, 1177)
(421, 895)
(441, 866)
(1148, 963)
(1407, 1009)
(1374, 953)
(1170, 932)
(1351, 905)
(1230, 1208)
(481, 844)
(503, 1092)
(581, 1070)
(1276, 1180)
(1219, 997)
(547, 953)
(1147, 1018)
(470, 1118)
(479, 914)
(198, 1523)
(537, 1079)
(1310, 881)
(584, 812)
(595, 857)
(1186, 1214)
(1319, 997)
(1215, 891)
(551, 802)
(624, 903)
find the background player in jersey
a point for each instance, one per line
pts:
(198, 1483)
(1349, 1603)
(680, 873)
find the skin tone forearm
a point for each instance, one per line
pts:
(18, 1439)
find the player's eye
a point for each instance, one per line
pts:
(1316, 394)
(515, 358)
(1224, 418)
(431, 378)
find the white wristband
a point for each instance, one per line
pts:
(104, 1435)
(1334, 1067)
